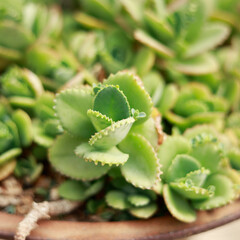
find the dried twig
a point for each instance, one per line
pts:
(43, 211)
(6, 200)
(11, 186)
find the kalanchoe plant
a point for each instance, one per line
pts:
(103, 133)
(113, 127)
(27, 22)
(16, 133)
(195, 104)
(21, 87)
(191, 181)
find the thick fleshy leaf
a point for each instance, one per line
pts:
(200, 65)
(144, 212)
(170, 148)
(160, 28)
(15, 36)
(133, 89)
(142, 168)
(207, 152)
(144, 61)
(197, 177)
(154, 84)
(33, 81)
(147, 130)
(212, 34)
(91, 22)
(22, 102)
(138, 200)
(101, 9)
(112, 135)
(147, 40)
(181, 165)
(178, 206)
(112, 102)
(117, 200)
(79, 191)
(190, 192)
(199, 129)
(224, 192)
(99, 120)
(5, 137)
(168, 98)
(71, 107)
(7, 169)
(110, 156)
(9, 155)
(44, 106)
(63, 159)
(14, 132)
(134, 10)
(234, 157)
(40, 136)
(24, 125)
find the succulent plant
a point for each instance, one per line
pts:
(110, 129)
(16, 133)
(134, 103)
(191, 179)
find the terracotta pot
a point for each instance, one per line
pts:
(157, 228)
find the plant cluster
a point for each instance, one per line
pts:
(132, 107)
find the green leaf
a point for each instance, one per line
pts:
(197, 177)
(224, 192)
(22, 102)
(147, 130)
(190, 192)
(63, 159)
(199, 65)
(99, 120)
(199, 129)
(144, 61)
(34, 82)
(160, 28)
(101, 9)
(72, 112)
(154, 84)
(40, 136)
(168, 98)
(181, 165)
(145, 211)
(212, 34)
(117, 200)
(112, 135)
(138, 200)
(44, 106)
(111, 156)
(142, 168)
(112, 102)
(205, 150)
(91, 22)
(15, 36)
(6, 137)
(133, 89)
(78, 191)
(9, 155)
(170, 148)
(24, 125)
(159, 48)
(178, 206)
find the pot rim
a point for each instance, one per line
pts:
(161, 228)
